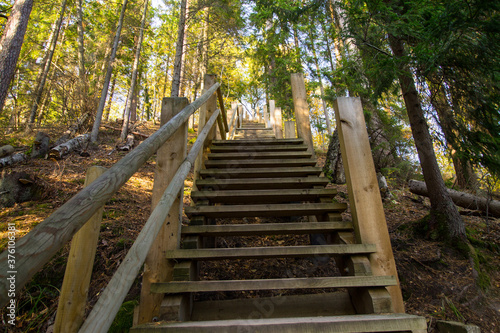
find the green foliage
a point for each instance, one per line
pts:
(124, 317)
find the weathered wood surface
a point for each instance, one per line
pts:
(103, 313)
(462, 199)
(264, 196)
(301, 110)
(145, 136)
(222, 110)
(270, 284)
(39, 245)
(13, 159)
(262, 183)
(260, 155)
(270, 252)
(169, 158)
(74, 290)
(128, 144)
(67, 147)
(259, 163)
(364, 195)
(40, 145)
(260, 142)
(269, 148)
(351, 323)
(296, 228)
(265, 210)
(261, 172)
(278, 126)
(290, 130)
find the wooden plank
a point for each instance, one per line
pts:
(278, 126)
(226, 149)
(265, 196)
(296, 228)
(260, 163)
(320, 324)
(290, 129)
(265, 210)
(259, 155)
(261, 172)
(263, 183)
(258, 142)
(75, 287)
(170, 156)
(364, 195)
(222, 109)
(270, 284)
(269, 252)
(301, 109)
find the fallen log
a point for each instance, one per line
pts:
(40, 145)
(64, 148)
(462, 199)
(13, 159)
(145, 136)
(128, 145)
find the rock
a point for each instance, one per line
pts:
(456, 327)
(17, 187)
(6, 150)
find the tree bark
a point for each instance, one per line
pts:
(178, 51)
(64, 148)
(443, 212)
(104, 93)
(111, 93)
(462, 199)
(132, 90)
(11, 43)
(334, 168)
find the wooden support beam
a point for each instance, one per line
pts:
(240, 115)
(266, 116)
(75, 287)
(278, 127)
(364, 195)
(170, 157)
(272, 115)
(222, 110)
(301, 110)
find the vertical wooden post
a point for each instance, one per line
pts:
(364, 195)
(233, 119)
(240, 115)
(272, 118)
(266, 117)
(290, 130)
(75, 287)
(278, 127)
(259, 116)
(302, 110)
(169, 157)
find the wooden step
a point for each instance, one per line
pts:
(263, 196)
(261, 172)
(258, 163)
(265, 210)
(262, 183)
(269, 252)
(260, 142)
(234, 149)
(270, 284)
(393, 322)
(259, 155)
(296, 228)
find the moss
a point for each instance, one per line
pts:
(124, 318)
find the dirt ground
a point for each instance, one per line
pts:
(437, 282)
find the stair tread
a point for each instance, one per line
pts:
(262, 172)
(258, 142)
(266, 196)
(289, 209)
(301, 147)
(262, 163)
(260, 155)
(269, 252)
(265, 228)
(263, 183)
(392, 322)
(176, 287)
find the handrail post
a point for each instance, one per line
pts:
(266, 116)
(75, 287)
(364, 196)
(240, 115)
(272, 116)
(169, 157)
(290, 130)
(302, 110)
(278, 126)
(259, 116)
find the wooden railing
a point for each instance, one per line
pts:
(36, 248)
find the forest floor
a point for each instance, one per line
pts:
(437, 281)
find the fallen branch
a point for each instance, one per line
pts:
(462, 199)
(145, 136)
(128, 145)
(13, 159)
(64, 148)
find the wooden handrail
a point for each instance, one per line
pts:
(106, 308)
(222, 109)
(40, 244)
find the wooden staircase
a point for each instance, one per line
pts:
(259, 186)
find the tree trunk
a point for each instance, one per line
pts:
(178, 51)
(11, 43)
(462, 199)
(104, 93)
(111, 93)
(46, 66)
(444, 214)
(84, 89)
(334, 168)
(132, 90)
